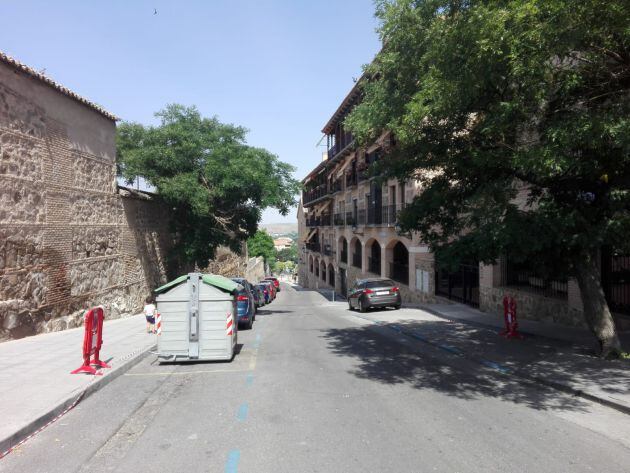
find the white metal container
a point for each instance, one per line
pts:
(199, 318)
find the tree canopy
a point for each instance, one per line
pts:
(261, 244)
(514, 116)
(215, 184)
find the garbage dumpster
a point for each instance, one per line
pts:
(198, 313)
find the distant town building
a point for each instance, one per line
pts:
(283, 243)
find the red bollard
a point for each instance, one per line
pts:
(92, 342)
(509, 315)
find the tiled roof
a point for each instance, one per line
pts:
(47, 80)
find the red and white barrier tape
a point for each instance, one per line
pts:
(229, 324)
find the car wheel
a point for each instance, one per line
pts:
(251, 323)
(397, 307)
(362, 306)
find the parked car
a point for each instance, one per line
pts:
(275, 281)
(260, 293)
(266, 292)
(374, 292)
(245, 303)
(271, 288)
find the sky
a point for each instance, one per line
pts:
(277, 67)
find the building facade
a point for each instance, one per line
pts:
(347, 225)
(70, 238)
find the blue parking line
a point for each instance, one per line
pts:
(231, 466)
(495, 366)
(249, 379)
(242, 412)
(450, 349)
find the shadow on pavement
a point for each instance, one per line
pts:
(384, 360)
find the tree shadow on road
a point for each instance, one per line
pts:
(423, 365)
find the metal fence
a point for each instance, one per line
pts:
(525, 278)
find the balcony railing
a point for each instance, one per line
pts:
(399, 272)
(390, 213)
(350, 220)
(326, 220)
(345, 140)
(338, 220)
(314, 194)
(327, 250)
(313, 221)
(374, 265)
(313, 246)
(351, 179)
(336, 186)
(374, 215)
(361, 217)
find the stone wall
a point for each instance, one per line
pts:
(531, 306)
(68, 238)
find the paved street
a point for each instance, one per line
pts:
(315, 388)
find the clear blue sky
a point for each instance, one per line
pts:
(279, 68)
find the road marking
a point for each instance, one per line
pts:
(231, 466)
(249, 379)
(252, 361)
(242, 412)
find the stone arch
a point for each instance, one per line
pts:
(398, 261)
(373, 253)
(356, 248)
(316, 263)
(323, 270)
(342, 249)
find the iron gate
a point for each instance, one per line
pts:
(461, 285)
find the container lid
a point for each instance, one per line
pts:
(215, 280)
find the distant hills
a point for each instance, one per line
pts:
(280, 229)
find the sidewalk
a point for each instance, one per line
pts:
(35, 380)
(552, 355)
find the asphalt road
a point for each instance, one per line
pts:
(317, 389)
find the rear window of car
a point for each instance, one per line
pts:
(380, 283)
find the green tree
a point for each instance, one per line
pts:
(215, 184)
(289, 254)
(261, 244)
(489, 99)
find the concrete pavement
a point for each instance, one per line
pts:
(35, 380)
(317, 389)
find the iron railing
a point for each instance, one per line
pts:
(345, 140)
(525, 278)
(339, 220)
(616, 280)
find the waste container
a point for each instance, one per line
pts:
(198, 314)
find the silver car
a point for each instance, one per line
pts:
(375, 292)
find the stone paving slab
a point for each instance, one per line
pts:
(35, 379)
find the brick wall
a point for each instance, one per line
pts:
(68, 238)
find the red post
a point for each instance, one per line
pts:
(509, 315)
(92, 342)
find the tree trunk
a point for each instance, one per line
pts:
(596, 311)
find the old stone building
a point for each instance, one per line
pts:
(347, 230)
(69, 237)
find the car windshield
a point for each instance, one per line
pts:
(379, 283)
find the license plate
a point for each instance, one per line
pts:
(382, 293)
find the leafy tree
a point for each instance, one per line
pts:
(216, 185)
(289, 254)
(490, 100)
(261, 244)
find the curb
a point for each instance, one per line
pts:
(127, 362)
(618, 406)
